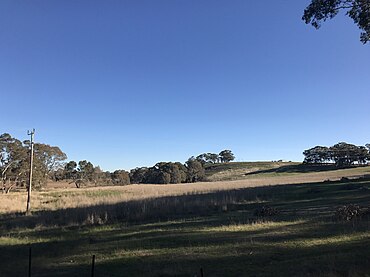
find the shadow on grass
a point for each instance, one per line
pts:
(301, 248)
(176, 235)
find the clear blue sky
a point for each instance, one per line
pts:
(130, 83)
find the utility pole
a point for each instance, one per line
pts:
(30, 133)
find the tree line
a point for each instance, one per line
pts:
(84, 172)
(341, 154)
(193, 170)
(50, 164)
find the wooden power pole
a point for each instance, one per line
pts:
(32, 134)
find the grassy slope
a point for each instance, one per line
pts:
(238, 170)
(217, 231)
(249, 170)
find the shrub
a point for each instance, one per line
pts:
(266, 211)
(350, 212)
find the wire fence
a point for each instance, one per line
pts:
(93, 264)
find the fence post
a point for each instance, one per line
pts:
(93, 266)
(201, 272)
(29, 261)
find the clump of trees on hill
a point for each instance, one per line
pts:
(224, 156)
(341, 154)
(173, 173)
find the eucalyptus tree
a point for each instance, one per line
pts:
(138, 175)
(207, 158)
(70, 170)
(345, 154)
(317, 155)
(195, 170)
(226, 156)
(319, 11)
(341, 154)
(15, 163)
(120, 177)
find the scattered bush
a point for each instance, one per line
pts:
(351, 212)
(266, 211)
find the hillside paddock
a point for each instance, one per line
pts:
(288, 225)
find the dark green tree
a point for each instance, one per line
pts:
(342, 154)
(57, 175)
(166, 173)
(13, 164)
(70, 170)
(201, 158)
(15, 161)
(183, 172)
(195, 170)
(226, 156)
(138, 175)
(213, 158)
(317, 155)
(161, 173)
(363, 155)
(319, 11)
(47, 159)
(120, 177)
(85, 171)
(207, 158)
(345, 154)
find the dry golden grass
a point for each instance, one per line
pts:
(63, 195)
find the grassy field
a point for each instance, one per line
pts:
(147, 230)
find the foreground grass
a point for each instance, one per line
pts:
(181, 247)
(218, 231)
